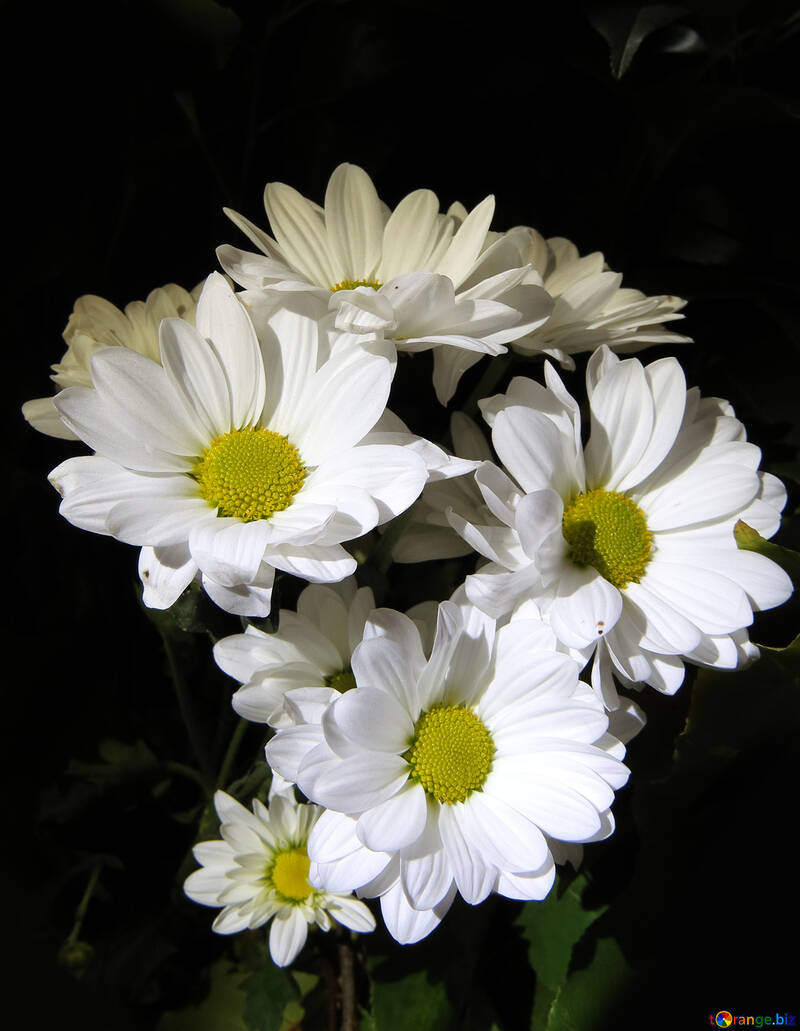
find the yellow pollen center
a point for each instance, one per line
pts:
(343, 681)
(289, 875)
(351, 284)
(451, 753)
(608, 531)
(249, 473)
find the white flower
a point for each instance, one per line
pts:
(453, 772)
(591, 305)
(426, 280)
(627, 545)
(235, 457)
(311, 650)
(429, 534)
(259, 872)
(96, 323)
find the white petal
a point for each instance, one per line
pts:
(165, 574)
(407, 925)
(474, 878)
(395, 823)
(587, 607)
(350, 913)
(354, 222)
(287, 935)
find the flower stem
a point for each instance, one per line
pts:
(230, 753)
(347, 983)
(83, 905)
(189, 721)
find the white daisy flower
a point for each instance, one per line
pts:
(429, 534)
(425, 279)
(310, 651)
(259, 872)
(591, 305)
(450, 773)
(627, 544)
(96, 323)
(235, 457)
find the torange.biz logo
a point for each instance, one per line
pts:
(727, 1019)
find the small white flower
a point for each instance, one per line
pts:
(591, 305)
(451, 773)
(311, 650)
(96, 323)
(259, 872)
(423, 278)
(627, 546)
(237, 455)
(429, 534)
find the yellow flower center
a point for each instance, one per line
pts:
(250, 473)
(351, 284)
(289, 875)
(451, 753)
(343, 681)
(607, 530)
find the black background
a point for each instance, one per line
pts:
(127, 127)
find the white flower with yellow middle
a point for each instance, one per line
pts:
(237, 455)
(423, 278)
(259, 872)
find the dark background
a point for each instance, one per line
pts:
(127, 127)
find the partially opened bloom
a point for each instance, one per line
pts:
(451, 773)
(96, 323)
(423, 278)
(311, 650)
(591, 307)
(627, 545)
(235, 456)
(259, 872)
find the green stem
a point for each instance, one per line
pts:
(189, 721)
(83, 905)
(230, 754)
(347, 983)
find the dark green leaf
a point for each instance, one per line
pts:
(411, 1004)
(590, 994)
(553, 927)
(268, 993)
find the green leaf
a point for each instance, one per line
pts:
(731, 713)
(589, 995)
(552, 928)
(625, 28)
(269, 993)
(121, 762)
(221, 1010)
(412, 1003)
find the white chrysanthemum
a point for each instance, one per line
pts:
(591, 305)
(451, 773)
(311, 650)
(259, 872)
(627, 545)
(96, 323)
(235, 457)
(423, 278)
(429, 534)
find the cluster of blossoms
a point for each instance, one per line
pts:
(453, 748)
